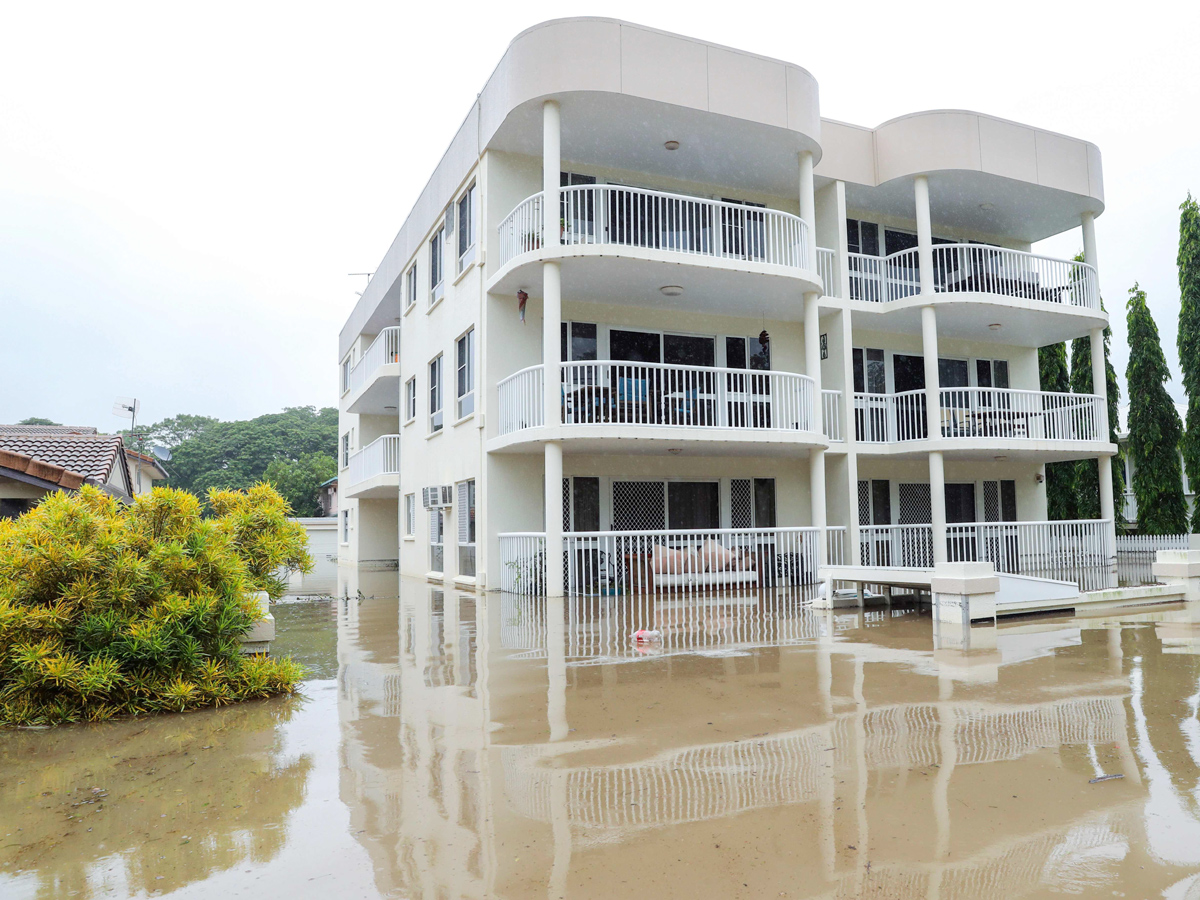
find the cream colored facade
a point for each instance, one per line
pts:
(703, 203)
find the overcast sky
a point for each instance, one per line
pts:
(183, 190)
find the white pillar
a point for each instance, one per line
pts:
(1088, 223)
(841, 245)
(1100, 385)
(554, 517)
(929, 348)
(850, 436)
(552, 343)
(816, 458)
(551, 173)
(808, 205)
(924, 233)
(937, 505)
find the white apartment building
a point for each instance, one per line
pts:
(655, 325)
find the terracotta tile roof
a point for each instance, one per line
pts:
(47, 456)
(46, 429)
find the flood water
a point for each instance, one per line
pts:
(453, 746)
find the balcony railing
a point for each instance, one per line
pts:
(959, 268)
(653, 394)
(1079, 550)
(831, 414)
(603, 214)
(981, 412)
(384, 349)
(827, 269)
(380, 457)
(669, 561)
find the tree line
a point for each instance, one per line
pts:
(1159, 446)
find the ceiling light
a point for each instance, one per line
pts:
(671, 290)
(672, 145)
(986, 206)
(995, 326)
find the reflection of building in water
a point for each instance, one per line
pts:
(498, 746)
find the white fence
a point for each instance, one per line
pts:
(380, 457)
(1034, 415)
(384, 349)
(903, 546)
(522, 400)
(1075, 550)
(827, 269)
(627, 393)
(831, 414)
(887, 418)
(521, 230)
(1151, 543)
(969, 267)
(523, 563)
(623, 216)
(835, 542)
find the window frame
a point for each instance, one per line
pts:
(344, 535)
(466, 255)
(410, 515)
(437, 395)
(464, 372)
(410, 400)
(346, 448)
(347, 368)
(437, 263)
(411, 287)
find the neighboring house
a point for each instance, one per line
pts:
(35, 461)
(327, 496)
(144, 470)
(1131, 508)
(655, 324)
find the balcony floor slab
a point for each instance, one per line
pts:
(624, 440)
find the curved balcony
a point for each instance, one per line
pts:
(644, 227)
(985, 418)
(373, 471)
(373, 384)
(600, 400)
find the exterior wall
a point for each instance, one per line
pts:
(1031, 496)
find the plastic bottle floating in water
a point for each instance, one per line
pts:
(646, 636)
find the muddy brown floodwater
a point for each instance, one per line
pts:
(448, 745)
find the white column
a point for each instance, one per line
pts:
(551, 173)
(841, 245)
(1088, 224)
(850, 436)
(924, 233)
(816, 458)
(554, 529)
(1100, 386)
(929, 348)
(937, 505)
(808, 205)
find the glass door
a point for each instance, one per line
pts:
(747, 396)
(870, 378)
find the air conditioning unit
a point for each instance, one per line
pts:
(437, 496)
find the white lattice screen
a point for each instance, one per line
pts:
(915, 506)
(566, 504)
(864, 503)
(741, 503)
(639, 506)
(464, 514)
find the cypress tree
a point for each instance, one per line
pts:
(1060, 476)
(1154, 427)
(1189, 337)
(1087, 475)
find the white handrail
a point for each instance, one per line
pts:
(623, 216)
(384, 349)
(1031, 415)
(959, 268)
(899, 546)
(1078, 550)
(827, 269)
(888, 418)
(831, 414)
(380, 457)
(522, 400)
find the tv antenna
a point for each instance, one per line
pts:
(127, 408)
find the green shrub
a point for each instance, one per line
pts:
(112, 610)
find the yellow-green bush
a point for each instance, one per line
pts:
(111, 610)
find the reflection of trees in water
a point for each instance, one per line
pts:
(171, 813)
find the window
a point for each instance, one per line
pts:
(346, 369)
(466, 228)
(435, 395)
(580, 344)
(345, 526)
(345, 449)
(435, 265)
(410, 399)
(410, 515)
(991, 373)
(466, 528)
(585, 512)
(465, 362)
(436, 523)
(411, 285)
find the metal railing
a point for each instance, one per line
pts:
(898, 546)
(522, 400)
(835, 544)
(959, 268)
(634, 217)
(523, 563)
(380, 457)
(630, 393)
(1079, 550)
(827, 269)
(831, 414)
(1033, 415)
(888, 418)
(1150, 543)
(384, 349)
